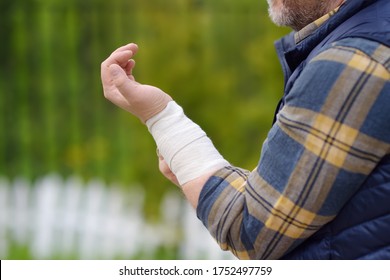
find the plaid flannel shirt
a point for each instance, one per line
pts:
(331, 133)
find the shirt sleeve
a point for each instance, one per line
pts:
(332, 132)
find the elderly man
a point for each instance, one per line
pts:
(321, 189)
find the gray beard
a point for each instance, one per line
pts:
(296, 15)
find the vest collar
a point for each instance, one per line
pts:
(296, 46)
(312, 27)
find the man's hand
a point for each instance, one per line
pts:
(166, 171)
(121, 88)
(143, 101)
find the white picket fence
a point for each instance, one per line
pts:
(56, 217)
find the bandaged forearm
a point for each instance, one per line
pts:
(184, 146)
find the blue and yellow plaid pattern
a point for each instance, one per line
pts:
(332, 132)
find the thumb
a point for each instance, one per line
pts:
(120, 79)
(117, 74)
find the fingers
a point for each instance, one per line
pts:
(164, 169)
(132, 47)
(121, 57)
(129, 69)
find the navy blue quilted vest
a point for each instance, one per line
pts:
(362, 228)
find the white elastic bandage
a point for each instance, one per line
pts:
(185, 147)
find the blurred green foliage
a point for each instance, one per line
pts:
(215, 58)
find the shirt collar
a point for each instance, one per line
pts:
(309, 29)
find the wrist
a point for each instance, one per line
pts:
(157, 106)
(185, 147)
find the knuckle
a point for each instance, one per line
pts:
(103, 64)
(107, 94)
(164, 169)
(108, 97)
